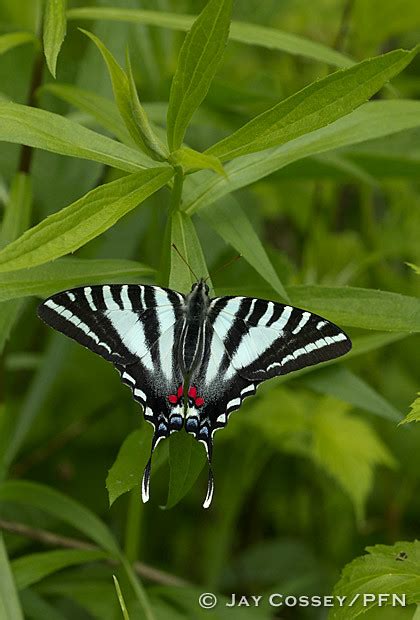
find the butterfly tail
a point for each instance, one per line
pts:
(210, 489)
(145, 483)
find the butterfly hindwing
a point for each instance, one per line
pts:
(135, 327)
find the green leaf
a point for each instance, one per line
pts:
(72, 227)
(415, 268)
(103, 110)
(343, 384)
(373, 120)
(229, 220)
(121, 599)
(393, 570)
(315, 106)
(9, 602)
(250, 34)
(348, 449)
(61, 507)
(128, 103)
(15, 221)
(36, 607)
(190, 160)
(127, 470)
(199, 59)
(65, 273)
(44, 130)
(186, 459)
(414, 415)
(184, 237)
(359, 307)
(30, 569)
(54, 31)
(13, 39)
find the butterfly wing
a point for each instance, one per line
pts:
(136, 328)
(249, 340)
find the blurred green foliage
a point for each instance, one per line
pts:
(319, 191)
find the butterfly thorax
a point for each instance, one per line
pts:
(191, 343)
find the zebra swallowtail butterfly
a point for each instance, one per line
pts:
(191, 360)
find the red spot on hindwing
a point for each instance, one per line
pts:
(173, 399)
(180, 391)
(192, 392)
(199, 401)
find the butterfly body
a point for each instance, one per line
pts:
(190, 360)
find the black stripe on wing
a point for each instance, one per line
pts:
(264, 339)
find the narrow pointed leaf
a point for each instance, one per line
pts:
(15, 221)
(373, 120)
(72, 227)
(250, 34)
(343, 384)
(10, 608)
(128, 104)
(198, 62)
(121, 598)
(316, 106)
(44, 280)
(61, 507)
(184, 237)
(14, 39)
(190, 160)
(359, 307)
(54, 31)
(44, 130)
(30, 569)
(231, 223)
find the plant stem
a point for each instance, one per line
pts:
(50, 538)
(133, 526)
(174, 206)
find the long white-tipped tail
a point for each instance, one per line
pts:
(145, 483)
(210, 490)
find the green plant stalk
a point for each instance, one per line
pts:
(133, 526)
(174, 206)
(138, 588)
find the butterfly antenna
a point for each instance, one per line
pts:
(229, 262)
(184, 260)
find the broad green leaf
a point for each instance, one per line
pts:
(359, 307)
(250, 34)
(186, 460)
(121, 599)
(128, 103)
(69, 229)
(184, 237)
(315, 106)
(54, 31)
(373, 120)
(15, 221)
(103, 110)
(230, 222)
(199, 59)
(414, 415)
(13, 39)
(190, 160)
(44, 130)
(10, 608)
(61, 507)
(65, 273)
(343, 384)
(348, 449)
(30, 569)
(390, 570)
(127, 470)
